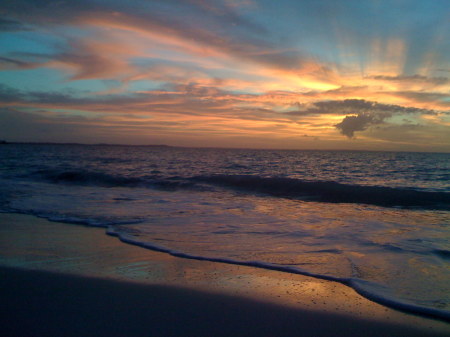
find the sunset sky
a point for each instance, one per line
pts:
(298, 74)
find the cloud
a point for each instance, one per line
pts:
(186, 109)
(90, 61)
(43, 12)
(7, 63)
(443, 99)
(38, 127)
(360, 122)
(192, 110)
(202, 29)
(413, 78)
(355, 106)
(361, 114)
(366, 114)
(205, 41)
(9, 95)
(203, 100)
(55, 100)
(226, 12)
(8, 25)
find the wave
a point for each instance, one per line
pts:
(370, 290)
(330, 191)
(442, 253)
(86, 178)
(100, 179)
(102, 222)
(321, 191)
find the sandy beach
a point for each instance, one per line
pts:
(68, 280)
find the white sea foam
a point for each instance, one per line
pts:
(370, 290)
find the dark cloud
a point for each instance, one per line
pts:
(80, 60)
(428, 97)
(8, 95)
(8, 25)
(188, 101)
(366, 114)
(343, 90)
(10, 61)
(227, 14)
(17, 125)
(11, 95)
(353, 106)
(362, 113)
(413, 78)
(211, 12)
(360, 122)
(44, 12)
(44, 126)
(7, 63)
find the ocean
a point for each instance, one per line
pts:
(378, 222)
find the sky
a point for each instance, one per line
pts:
(285, 74)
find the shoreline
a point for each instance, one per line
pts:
(351, 283)
(78, 266)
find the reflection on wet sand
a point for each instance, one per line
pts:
(31, 243)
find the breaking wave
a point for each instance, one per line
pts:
(100, 179)
(320, 191)
(330, 191)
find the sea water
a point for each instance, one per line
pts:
(378, 222)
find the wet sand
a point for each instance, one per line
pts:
(68, 280)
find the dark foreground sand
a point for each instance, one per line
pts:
(48, 304)
(66, 280)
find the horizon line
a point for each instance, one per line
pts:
(4, 142)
